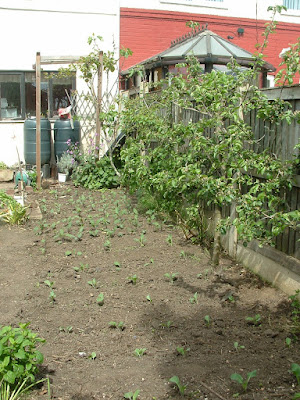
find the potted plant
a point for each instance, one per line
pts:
(65, 164)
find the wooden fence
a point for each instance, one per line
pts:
(280, 140)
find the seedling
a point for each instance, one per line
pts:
(207, 320)
(132, 279)
(148, 263)
(92, 356)
(117, 264)
(107, 245)
(182, 351)
(194, 299)
(169, 240)
(256, 320)
(131, 395)
(149, 298)
(68, 253)
(295, 369)
(115, 325)
(82, 267)
(243, 382)
(93, 283)
(94, 233)
(100, 299)
(183, 254)
(52, 296)
(237, 346)
(179, 385)
(141, 240)
(48, 283)
(296, 396)
(288, 342)
(139, 352)
(68, 329)
(172, 277)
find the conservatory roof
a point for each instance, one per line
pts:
(207, 46)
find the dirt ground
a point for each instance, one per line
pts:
(191, 324)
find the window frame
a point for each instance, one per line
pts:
(292, 9)
(199, 3)
(22, 92)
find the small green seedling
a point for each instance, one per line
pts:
(68, 253)
(295, 369)
(169, 240)
(48, 283)
(132, 279)
(172, 277)
(167, 324)
(139, 352)
(82, 267)
(194, 299)
(93, 283)
(92, 356)
(288, 342)
(115, 325)
(182, 351)
(256, 320)
(117, 264)
(131, 395)
(149, 298)
(179, 385)
(100, 299)
(244, 382)
(237, 346)
(148, 263)
(296, 396)
(68, 329)
(207, 320)
(141, 240)
(107, 245)
(52, 296)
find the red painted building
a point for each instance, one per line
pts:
(148, 32)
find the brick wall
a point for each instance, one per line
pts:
(148, 32)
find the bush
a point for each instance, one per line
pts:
(94, 175)
(19, 358)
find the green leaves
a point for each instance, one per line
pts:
(19, 358)
(243, 381)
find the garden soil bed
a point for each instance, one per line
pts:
(101, 239)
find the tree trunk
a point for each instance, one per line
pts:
(217, 237)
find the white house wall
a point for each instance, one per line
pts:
(53, 28)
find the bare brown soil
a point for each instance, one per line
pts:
(101, 235)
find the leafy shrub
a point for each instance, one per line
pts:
(10, 210)
(19, 358)
(3, 165)
(95, 174)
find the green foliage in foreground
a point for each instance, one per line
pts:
(11, 211)
(19, 357)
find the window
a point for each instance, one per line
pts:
(18, 94)
(292, 4)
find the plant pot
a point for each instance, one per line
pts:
(62, 177)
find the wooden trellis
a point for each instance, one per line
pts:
(89, 113)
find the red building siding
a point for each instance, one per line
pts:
(148, 32)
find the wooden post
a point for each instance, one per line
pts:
(38, 120)
(99, 104)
